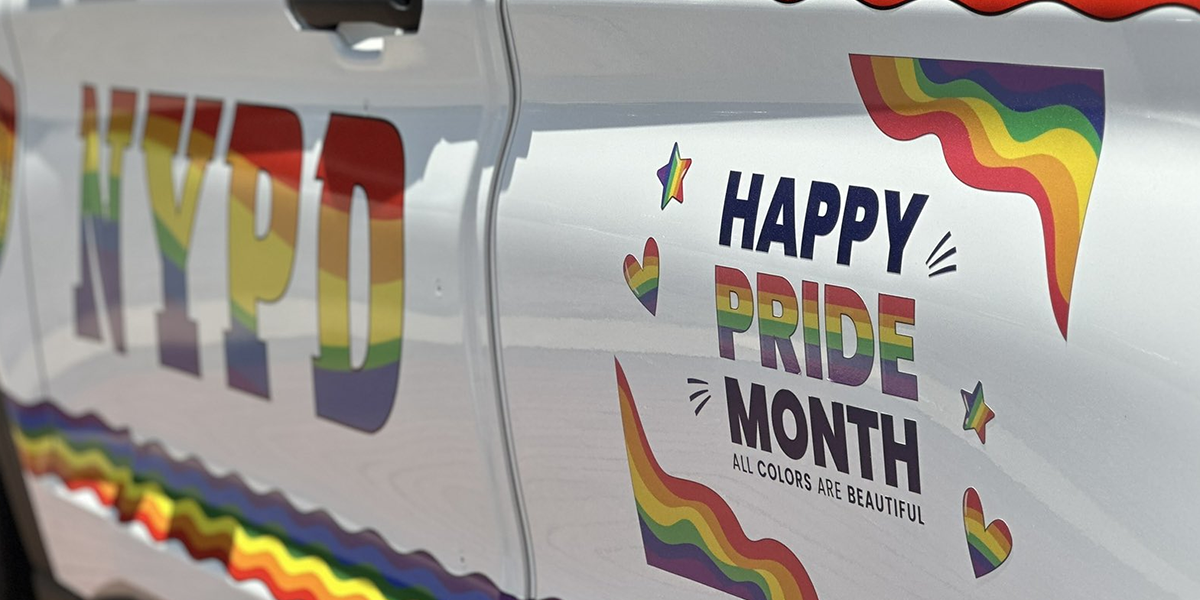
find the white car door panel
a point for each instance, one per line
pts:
(825, 317)
(260, 298)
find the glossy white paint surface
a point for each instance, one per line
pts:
(433, 478)
(20, 359)
(1089, 458)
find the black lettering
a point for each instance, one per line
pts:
(900, 225)
(905, 452)
(737, 208)
(855, 229)
(817, 224)
(786, 401)
(828, 435)
(753, 422)
(865, 420)
(783, 204)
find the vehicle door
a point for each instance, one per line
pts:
(854, 299)
(255, 256)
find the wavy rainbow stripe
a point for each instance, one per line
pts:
(1005, 128)
(297, 555)
(8, 153)
(689, 530)
(1105, 10)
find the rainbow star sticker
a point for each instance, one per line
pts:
(671, 176)
(978, 412)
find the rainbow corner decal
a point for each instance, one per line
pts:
(1031, 130)
(297, 555)
(689, 530)
(988, 546)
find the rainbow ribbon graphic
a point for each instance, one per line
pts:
(1004, 128)
(689, 530)
(297, 555)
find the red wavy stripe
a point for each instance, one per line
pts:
(1106, 10)
(956, 144)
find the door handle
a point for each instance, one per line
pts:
(328, 14)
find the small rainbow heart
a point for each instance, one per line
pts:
(643, 278)
(989, 547)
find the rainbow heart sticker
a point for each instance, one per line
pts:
(990, 546)
(643, 278)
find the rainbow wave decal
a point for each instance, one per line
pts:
(1005, 128)
(689, 530)
(8, 149)
(297, 555)
(1105, 10)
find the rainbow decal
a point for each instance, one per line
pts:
(855, 369)
(297, 555)
(894, 347)
(812, 328)
(671, 177)
(1106, 10)
(642, 279)
(174, 220)
(978, 413)
(8, 153)
(688, 530)
(988, 546)
(264, 139)
(731, 284)
(776, 331)
(368, 153)
(1005, 128)
(101, 220)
